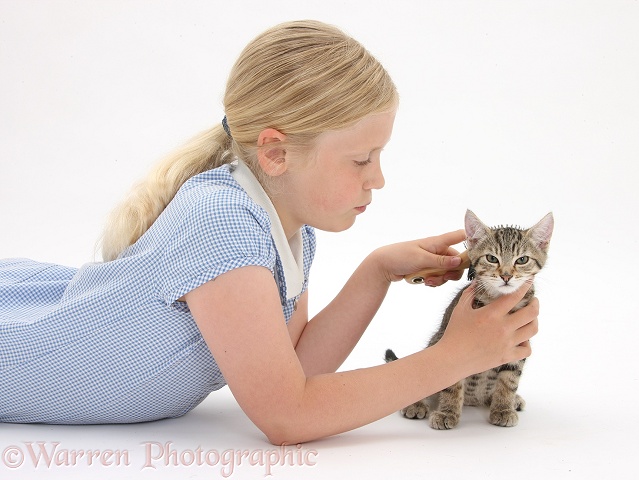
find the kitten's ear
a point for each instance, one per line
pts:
(475, 229)
(540, 233)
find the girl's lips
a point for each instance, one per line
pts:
(361, 209)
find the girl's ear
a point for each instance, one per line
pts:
(271, 155)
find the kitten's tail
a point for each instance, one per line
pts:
(390, 356)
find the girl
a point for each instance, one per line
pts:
(206, 269)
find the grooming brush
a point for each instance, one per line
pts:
(419, 277)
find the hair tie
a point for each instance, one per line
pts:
(225, 125)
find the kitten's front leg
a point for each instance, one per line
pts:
(505, 400)
(448, 412)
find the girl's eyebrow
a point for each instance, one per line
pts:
(366, 152)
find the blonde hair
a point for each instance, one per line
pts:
(301, 78)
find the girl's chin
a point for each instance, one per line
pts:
(336, 226)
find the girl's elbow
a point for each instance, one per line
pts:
(288, 433)
(279, 437)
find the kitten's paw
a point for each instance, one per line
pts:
(520, 403)
(443, 421)
(504, 418)
(417, 410)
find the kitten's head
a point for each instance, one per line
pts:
(503, 258)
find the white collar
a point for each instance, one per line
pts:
(290, 251)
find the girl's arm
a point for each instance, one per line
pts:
(326, 341)
(240, 317)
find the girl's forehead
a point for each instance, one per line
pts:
(372, 132)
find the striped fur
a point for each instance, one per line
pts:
(502, 259)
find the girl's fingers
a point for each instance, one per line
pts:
(451, 238)
(524, 349)
(506, 303)
(525, 333)
(467, 297)
(437, 281)
(526, 315)
(445, 242)
(441, 244)
(455, 275)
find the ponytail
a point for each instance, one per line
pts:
(128, 221)
(301, 78)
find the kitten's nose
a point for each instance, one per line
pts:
(506, 278)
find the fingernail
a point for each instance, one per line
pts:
(455, 261)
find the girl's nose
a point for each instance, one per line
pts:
(376, 180)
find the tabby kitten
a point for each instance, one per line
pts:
(502, 259)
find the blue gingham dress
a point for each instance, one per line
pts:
(110, 342)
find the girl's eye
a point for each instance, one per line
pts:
(522, 260)
(364, 163)
(492, 258)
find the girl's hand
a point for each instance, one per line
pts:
(401, 259)
(489, 336)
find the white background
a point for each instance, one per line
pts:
(512, 109)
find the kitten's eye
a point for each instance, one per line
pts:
(492, 259)
(522, 260)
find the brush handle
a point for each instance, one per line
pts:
(419, 277)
